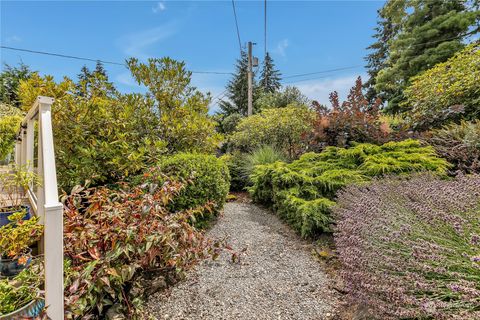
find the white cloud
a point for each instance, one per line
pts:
(135, 44)
(159, 7)
(13, 39)
(320, 89)
(281, 48)
(126, 79)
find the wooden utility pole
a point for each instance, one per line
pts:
(250, 80)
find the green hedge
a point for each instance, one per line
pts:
(303, 192)
(207, 179)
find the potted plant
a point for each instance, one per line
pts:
(20, 297)
(13, 186)
(15, 241)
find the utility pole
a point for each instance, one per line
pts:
(252, 62)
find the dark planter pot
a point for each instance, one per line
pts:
(11, 267)
(30, 311)
(8, 211)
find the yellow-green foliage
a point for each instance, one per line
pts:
(447, 91)
(209, 177)
(303, 191)
(9, 126)
(281, 128)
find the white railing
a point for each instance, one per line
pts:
(44, 200)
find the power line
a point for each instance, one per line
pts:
(236, 24)
(302, 80)
(265, 27)
(323, 71)
(63, 55)
(95, 60)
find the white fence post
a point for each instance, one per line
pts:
(45, 202)
(53, 214)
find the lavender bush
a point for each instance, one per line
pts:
(410, 249)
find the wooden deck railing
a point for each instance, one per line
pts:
(44, 200)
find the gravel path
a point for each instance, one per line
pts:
(277, 278)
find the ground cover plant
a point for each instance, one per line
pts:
(303, 192)
(115, 238)
(409, 248)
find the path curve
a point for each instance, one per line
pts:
(277, 278)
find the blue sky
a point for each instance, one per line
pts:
(303, 37)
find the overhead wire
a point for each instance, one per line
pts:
(96, 60)
(236, 25)
(265, 27)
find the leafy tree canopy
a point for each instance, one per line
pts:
(447, 92)
(9, 81)
(184, 122)
(287, 96)
(418, 34)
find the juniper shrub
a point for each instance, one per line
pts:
(303, 192)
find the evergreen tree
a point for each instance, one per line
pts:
(94, 83)
(376, 60)
(430, 32)
(237, 89)
(10, 80)
(269, 77)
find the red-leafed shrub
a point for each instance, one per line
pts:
(354, 120)
(116, 238)
(410, 249)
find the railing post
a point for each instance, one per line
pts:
(52, 211)
(18, 151)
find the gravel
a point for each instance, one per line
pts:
(276, 277)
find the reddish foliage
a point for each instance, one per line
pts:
(113, 236)
(353, 120)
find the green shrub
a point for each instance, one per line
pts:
(234, 162)
(282, 128)
(448, 91)
(117, 241)
(303, 191)
(104, 136)
(262, 155)
(208, 176)
(9, 126)
(459, 144)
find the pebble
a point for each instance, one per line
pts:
(276, 278)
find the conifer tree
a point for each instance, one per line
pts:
(94, 83)
(376, 60)
(269, 77)
(237, 89)
(430, 32)
(10, 79)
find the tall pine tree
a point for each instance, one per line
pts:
(429, 32)
(94, 83)
(237, 89)
(376, 60)
(269, 77)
